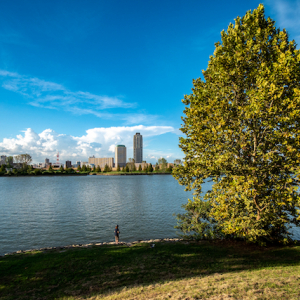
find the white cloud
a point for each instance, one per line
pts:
(48, 94)
(97, 141)
(153, 155)
(51, 95)
(287, 16)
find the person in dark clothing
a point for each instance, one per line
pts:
(117, 232)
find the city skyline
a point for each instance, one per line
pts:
(81, 79)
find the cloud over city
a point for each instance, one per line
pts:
(97, 141)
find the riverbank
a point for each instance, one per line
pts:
(91, 245)
(130, 173)
(157, 269)
(39, 175)
(85, 174)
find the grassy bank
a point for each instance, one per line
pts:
(179, 270)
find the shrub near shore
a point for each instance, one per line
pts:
(177, 270)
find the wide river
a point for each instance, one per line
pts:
(50, 211)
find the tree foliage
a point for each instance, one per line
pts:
(242, 132)
(23, 158)
(162, 162)
(9, 161)
(170, 168)
(150, 168)
(106, 168)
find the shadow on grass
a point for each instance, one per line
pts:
(85, 272)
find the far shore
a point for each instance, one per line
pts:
(85, 174)
(126, 174)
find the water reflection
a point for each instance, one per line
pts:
(55, 211)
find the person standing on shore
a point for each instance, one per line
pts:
(117, 232)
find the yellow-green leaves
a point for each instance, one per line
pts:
(242, 129)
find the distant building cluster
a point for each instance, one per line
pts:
(120, 158)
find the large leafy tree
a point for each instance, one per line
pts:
(242, 128)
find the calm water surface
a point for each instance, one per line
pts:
(56, 211)
(50, 211)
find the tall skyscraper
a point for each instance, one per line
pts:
(120, 156)
(138, 147)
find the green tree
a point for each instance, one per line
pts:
(131, 164)
(133, 167)
(177, 162)
(94, 168)
(170, 169)
(83, 169)
(162, 162)
(118, 168)
(242, 131)
(9, 161)
(61, 168)
(156, 167)
(145, 168)
(106, 168)
(98, 169)
(140, 168)
(23, 159)
(37, 172)
(127, 168)
(2, 169)
(78, 168)
(150, 168)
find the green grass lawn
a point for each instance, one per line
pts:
(181, 270)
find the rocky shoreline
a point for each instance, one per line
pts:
(63, 248)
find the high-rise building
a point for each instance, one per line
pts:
(120, 156)
(101, 161)
(47, 161)
(138, 147)
(68, 164)
(2, 160)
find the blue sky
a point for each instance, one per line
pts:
(79, 77)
